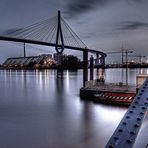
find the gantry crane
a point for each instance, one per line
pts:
(138, 56)
(124, 52)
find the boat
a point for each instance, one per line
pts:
(119, 98)
(109, 93)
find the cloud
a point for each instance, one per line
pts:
(77, 7)
(136, 1)
(133, 25)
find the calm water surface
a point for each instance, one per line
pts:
(39, 110)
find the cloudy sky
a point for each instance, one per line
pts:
(104, 25)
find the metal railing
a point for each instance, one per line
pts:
(127, 130)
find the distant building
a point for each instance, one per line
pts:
(44, 60)
(58, 58)
(67, 61)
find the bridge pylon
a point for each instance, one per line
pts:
(59, 36)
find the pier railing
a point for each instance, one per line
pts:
(107, 85)
(90, 83)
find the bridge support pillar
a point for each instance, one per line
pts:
(59, 65)
(85, 66)
(59, 59)
(97, 61)
(102, 61)
(91, 68)
(24, 50)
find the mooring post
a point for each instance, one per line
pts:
(85, 66)
(91, 68)
(24, 50)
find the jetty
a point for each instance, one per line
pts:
(110, 93)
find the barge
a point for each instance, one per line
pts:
(108, 93)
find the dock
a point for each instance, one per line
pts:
(108, 93)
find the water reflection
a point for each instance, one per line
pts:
(106, 115)
(41, 108)
(119, 75)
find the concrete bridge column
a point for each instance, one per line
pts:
(91, 68)
(85, 66)
(102, 61)
(97, 59)
(24, 50)
(59, 65)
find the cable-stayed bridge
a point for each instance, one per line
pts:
(53, 32)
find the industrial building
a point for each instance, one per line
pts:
(44, 60)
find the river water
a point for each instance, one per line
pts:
(39, 110)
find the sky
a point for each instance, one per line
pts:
(104, 25)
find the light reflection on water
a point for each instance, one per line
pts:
(39, 110)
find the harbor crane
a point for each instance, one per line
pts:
(139, 57)
(124, 53)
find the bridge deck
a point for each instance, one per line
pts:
(23, 40)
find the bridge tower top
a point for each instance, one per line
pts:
(59, 35)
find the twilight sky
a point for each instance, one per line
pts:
(102, 24)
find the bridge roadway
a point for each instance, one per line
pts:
(6, 38)
(127, 130)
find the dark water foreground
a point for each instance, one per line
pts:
(37, 110)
